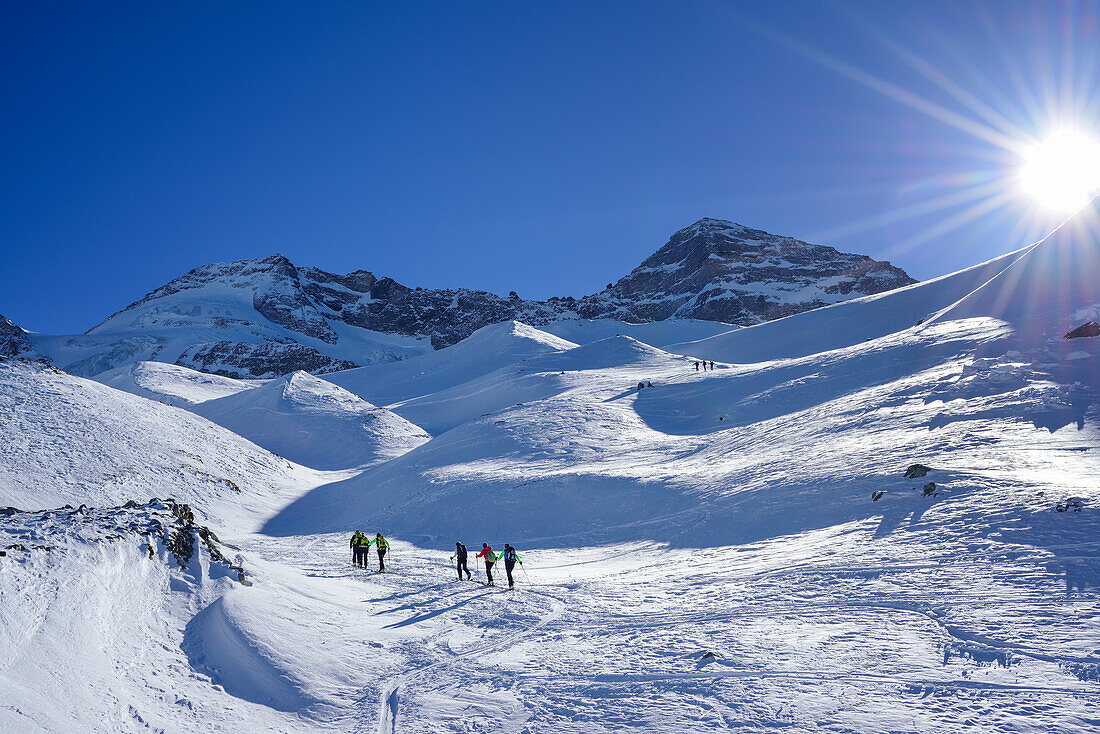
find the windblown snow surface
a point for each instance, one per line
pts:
(314, 423)
(699, 555)
(173, 384)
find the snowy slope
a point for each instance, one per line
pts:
(847, 323)
(486, 350)
(714, 558)
(656, 333)
(69, 440)
(172, 384)
(314, 423)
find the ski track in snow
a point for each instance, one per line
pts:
(619, 644)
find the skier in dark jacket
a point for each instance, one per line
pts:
(487, 554)
(460, 558)
(511, 558)
(359, 549)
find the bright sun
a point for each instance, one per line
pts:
(1062, 172)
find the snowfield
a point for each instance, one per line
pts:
(172, 384)
(314, 423)
(880, 516)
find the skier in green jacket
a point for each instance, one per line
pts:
(382, 545)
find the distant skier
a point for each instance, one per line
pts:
(356, 552)
(487, 554)
(381, 545)
(511, 558)
(460, 558)
(712, 366)
(696, 366)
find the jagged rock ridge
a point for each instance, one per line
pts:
(14, 342)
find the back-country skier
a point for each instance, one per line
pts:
(355, 553)
(460, 557)
(511, 558)
(487, 554)
(381, 545)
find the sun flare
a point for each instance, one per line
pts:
(1061, 172)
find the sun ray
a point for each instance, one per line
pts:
(950, 224)
(892, 91)
(934, 75)
(911, 211)
(1032, 107)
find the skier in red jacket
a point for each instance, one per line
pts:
(487, 554)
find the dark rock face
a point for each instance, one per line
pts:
(713, 270)
(916, 471)
(1084, 331)
(15, 344)
(242, 361)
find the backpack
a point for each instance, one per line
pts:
(461, 550)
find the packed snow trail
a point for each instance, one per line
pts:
(611, 638)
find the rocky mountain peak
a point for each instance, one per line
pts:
(718, 270)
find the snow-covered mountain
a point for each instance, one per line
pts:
(986, 344)
(880, 515)
(266, 318)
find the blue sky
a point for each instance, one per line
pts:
(545, 148)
